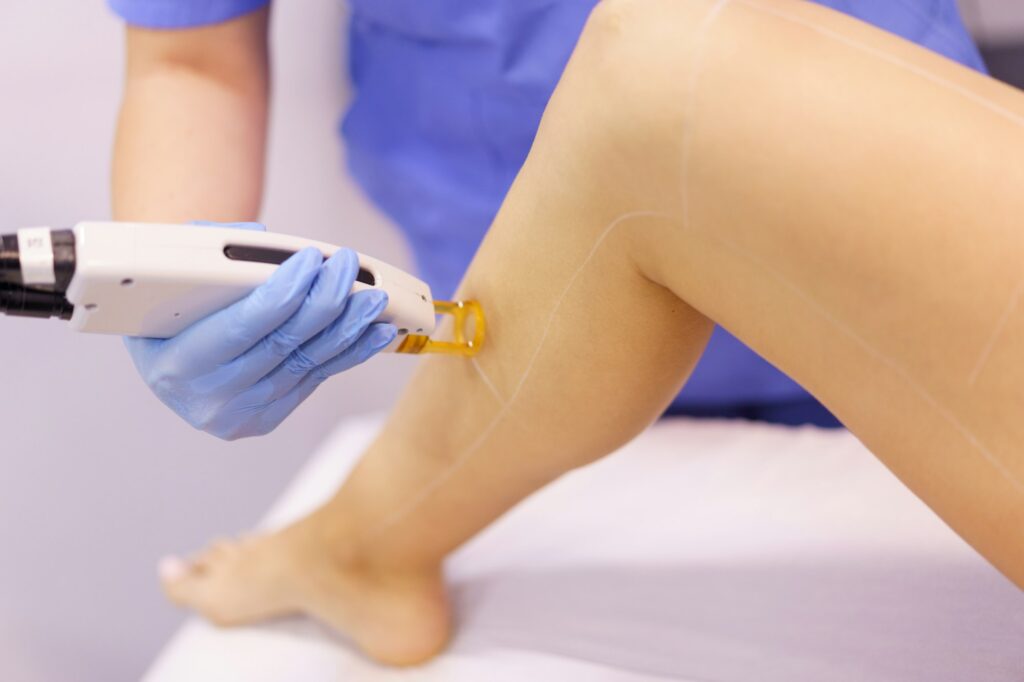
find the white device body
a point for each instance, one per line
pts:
(154, 280)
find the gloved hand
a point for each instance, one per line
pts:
(240, 371)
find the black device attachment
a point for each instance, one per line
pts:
(24, 302)
(42, 300)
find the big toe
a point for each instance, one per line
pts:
(229, 584)
(194, 585)
(181, 579)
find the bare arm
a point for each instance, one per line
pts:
(191, 145)
(192, 131)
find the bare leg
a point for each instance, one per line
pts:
(765, 164)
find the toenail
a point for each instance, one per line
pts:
(172, 568)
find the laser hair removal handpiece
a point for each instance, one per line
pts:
(154, 280)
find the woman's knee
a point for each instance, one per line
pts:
(632, 67)
(657, 34)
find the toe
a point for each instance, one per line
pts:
(236, 582)
(222, 547)
(172, 569)
(180, 579)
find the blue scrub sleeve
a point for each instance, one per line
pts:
(182, 13)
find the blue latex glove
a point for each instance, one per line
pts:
(240, 371)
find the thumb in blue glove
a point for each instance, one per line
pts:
(242, 370)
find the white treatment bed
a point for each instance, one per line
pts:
(702, 551)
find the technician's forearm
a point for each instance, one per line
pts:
(188, 149)
(191, 136)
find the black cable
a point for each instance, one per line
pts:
(17, 300)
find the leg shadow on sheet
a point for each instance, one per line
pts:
(908, 618)
(884, 619)
(701, 551)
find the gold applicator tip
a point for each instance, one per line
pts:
(467, 337)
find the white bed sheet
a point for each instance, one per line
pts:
(702, 551)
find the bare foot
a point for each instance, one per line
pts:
(397, 617)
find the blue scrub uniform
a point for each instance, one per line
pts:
(449, 95)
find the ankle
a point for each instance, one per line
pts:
(387, 565)
(324, 534)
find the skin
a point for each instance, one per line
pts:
(701, 162)
(191, 137)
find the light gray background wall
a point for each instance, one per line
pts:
(97, 479)
(995, 22)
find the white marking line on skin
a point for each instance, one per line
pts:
(1008, 114)
(506, 406)
(460, 461)
(966, 93)
(990, 346)
(494, 390)
(703, 29)
(487, 382)
(572, 280)
(436, 482)
(926, 396)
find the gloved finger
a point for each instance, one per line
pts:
(272, 417)
(376, 338)
(325, 302)
(255, 227)
(226, 334)
(348, 330)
